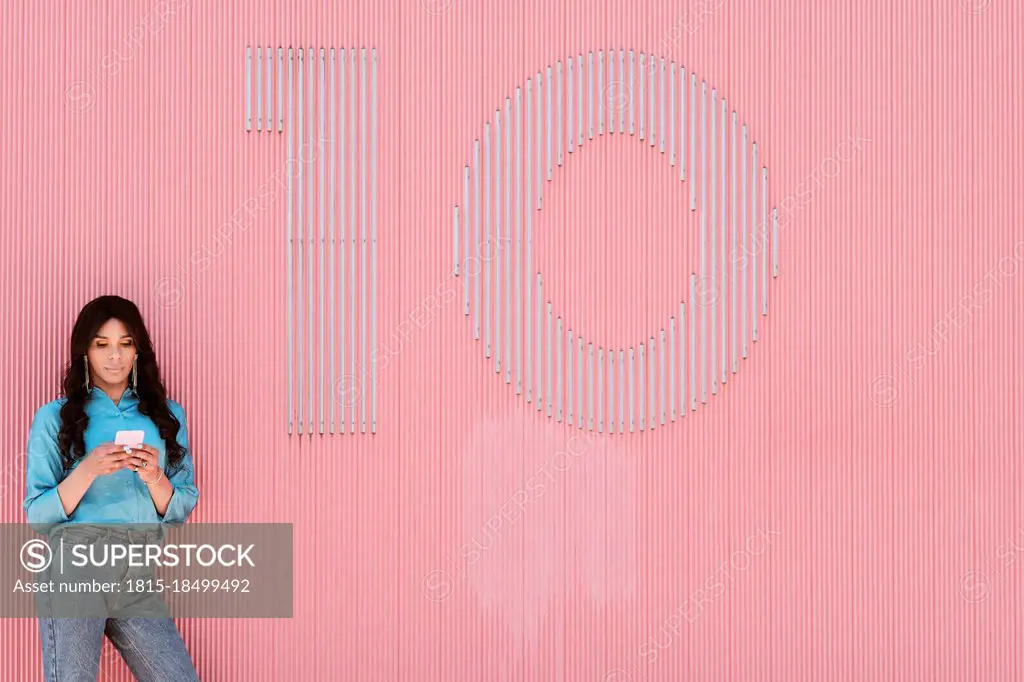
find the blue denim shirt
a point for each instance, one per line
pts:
(120, 497)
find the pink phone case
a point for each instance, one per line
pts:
(132, 438)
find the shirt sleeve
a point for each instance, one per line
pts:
(44, 470)
(185, 494)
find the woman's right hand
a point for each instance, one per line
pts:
(106, 458)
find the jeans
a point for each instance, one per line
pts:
(152, 648)
(72, 625)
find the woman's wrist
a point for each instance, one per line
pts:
(83, 474)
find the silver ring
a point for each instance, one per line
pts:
(145, 464)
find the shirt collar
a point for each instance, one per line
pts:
(129, 397)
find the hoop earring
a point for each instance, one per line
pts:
(135, 374)
(85, 361)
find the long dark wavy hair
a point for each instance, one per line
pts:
(151, 393)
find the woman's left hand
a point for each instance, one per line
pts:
(145, 461)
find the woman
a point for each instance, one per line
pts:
(78, 480)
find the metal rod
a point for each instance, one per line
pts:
(579, 100)
(289, 256)
(590, 95)
(732, 252)
(353, 248)
(548, 129)
(693, 143)
(268, 101)
(661, 99)
(642, 98)
(621, 102)
(682, 122)
(559, 96)
(652, 68)
(632, 92)
(559, 376)
(373, 239)
(486, 266)
(311, 64)
(363, 140)
(579, 381)
(569, 383)
(742, 255)
(702, 304)
(641, 393)
(527, 206)
(319, 246)
(632, 390)
(476, 239)
(519, 243)
(661, 375)
(716, 286)
(569, 90)
(590, 387)
(540, 144)
(339, 142)
(693, 345)
(723, 219)
(672, 368)
(508, 236)
(259, 88)
(499, 242)
(331, 276)
(652, 405)
(610, 389)
(464, 234)
(600, 92)
(539, 365)
(672, 115)
(547, 364)
(622, 391)
(683, 405)
(300, 241)
(754, 246)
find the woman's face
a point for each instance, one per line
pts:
(111, 355)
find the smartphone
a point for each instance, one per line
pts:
(132, 438)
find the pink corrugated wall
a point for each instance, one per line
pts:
(876, 446)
